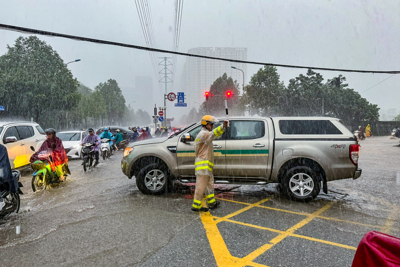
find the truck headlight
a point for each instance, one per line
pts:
(127, 151)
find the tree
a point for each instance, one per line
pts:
(35, 82)
(215, 104)
(264, 92)
(114, 100)
(397, 118)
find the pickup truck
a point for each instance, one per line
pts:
(299, 153)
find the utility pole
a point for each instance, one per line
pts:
(166, 71)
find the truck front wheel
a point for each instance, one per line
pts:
(301, 183)
(152, 179)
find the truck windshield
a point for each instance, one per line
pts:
(184, 129)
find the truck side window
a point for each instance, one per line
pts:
(242, 130)
(308, 127)
(193, 133)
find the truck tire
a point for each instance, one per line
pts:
(152, 179)
(301, 183)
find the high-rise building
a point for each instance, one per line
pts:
(140, 96)
(199, 73)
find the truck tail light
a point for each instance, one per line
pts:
(354, 153)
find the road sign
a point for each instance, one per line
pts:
(171, 96)
(160, 113)
(155, 120)
(180, 104)
(2, 108)
(161, 118)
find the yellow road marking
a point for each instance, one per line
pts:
(221, 253)
(243, 210)
(305, 214)
(294, 235)
(288, 232)
(387, 227)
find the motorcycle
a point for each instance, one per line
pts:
(123, 144)
(105, 148)
(359, 134)
(45, 173)
(87, 155)
(11, 200)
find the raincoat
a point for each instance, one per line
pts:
(94, 139)
(118, 138)
(145, 135)
(204, 161)
(134, 137)
(108, 135)
(5, 170)
(58, 153)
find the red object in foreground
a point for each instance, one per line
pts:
(377, 249)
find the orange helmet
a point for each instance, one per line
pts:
(208, 119)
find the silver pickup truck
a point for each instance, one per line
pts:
(300, 153)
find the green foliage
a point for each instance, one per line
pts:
(306, 95)
(35, 82)
(114, 100)
(397, 118)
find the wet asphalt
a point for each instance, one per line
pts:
(100, 218)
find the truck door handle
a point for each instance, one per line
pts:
(258, 145)
(22, 144)
(215, 146)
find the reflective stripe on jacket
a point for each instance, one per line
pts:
(204, 161)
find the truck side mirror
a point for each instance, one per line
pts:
(11, 139)
(185, 137)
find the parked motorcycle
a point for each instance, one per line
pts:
(45, 173)
(11, 200)
(105, 148)
(88, 155)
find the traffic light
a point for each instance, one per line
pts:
(229, 94)
(207, 94)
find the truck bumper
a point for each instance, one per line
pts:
(357, 174)
(125, 168)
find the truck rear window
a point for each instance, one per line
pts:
(308, 127)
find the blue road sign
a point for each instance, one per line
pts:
(2, 108)
(161, 118)
(180, 104)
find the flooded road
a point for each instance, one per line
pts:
(99, 218)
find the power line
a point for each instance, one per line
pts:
(377, 83)
(99, 41)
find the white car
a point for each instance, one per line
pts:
(72, 142)
(18, 137)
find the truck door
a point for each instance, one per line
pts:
(247, 149)
(186, 154)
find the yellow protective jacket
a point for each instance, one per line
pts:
(203, 146)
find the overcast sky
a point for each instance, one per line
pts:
(335, 34)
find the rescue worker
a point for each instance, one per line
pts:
(204, 162)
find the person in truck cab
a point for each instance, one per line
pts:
(204, 163)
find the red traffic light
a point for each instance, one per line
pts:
(207, 94)
(229, 94)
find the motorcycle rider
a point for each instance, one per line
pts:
(93, 139)
(134, 136)
(108, 135)
(204, 162)
(5, 173)
(55, 146)
(145, 135)
(118, 138)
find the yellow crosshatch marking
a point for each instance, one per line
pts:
(222, 254)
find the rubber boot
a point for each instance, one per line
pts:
(214, 205)
(201, 209)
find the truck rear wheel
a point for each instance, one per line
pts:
(152, 179)
(301, 183)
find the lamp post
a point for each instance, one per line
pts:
(233, 67)
(76, 60)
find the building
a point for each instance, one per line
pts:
(141, 96)
(199, 74)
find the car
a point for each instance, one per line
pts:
(126, 133)
(299, 153)
(18, 137)
(72, 142)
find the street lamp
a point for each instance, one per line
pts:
(76, 60)
(233, 67)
